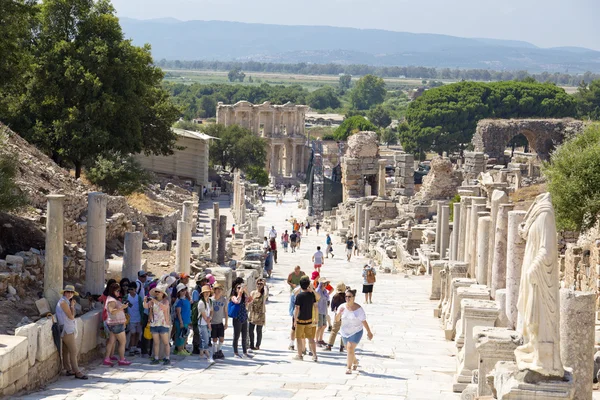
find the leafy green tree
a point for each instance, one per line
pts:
(588, 100)
(389, 136)
(574, 180)
(236, 74)
(188, 125)
(236, 147)
(90, 90)
(118, 174)
(258, 174)
(379, 116)
(345, 83)
(352, 125)
(323, 98)
(368, 91)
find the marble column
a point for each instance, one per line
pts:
(436, 278)
(272, 168)
(254, 224)
(438, 227)
(515, 249)
(462, 229)
(498, 280)
(367, 228)
(216, 210)
(132, 255)
(483, 236)
(502, 321)
(476, 209)
(577, 330)
(358, 224)
(183, 247)
(214, 237)
(381, 179)
(472, 226)
(55, 242)
(456, 224)
(445, 231)
(222, 239)
(294, 160)
(498, 197)
(187, 214)
(96, 243)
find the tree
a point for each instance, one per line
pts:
(389, 136)
(379, 116)
(323, 98)
(345, 83)
(588, 100)
(258, 174)
(236, 147)
(118, 174)
(574, 180)
(236, 74)
(91, 91)
(352, 125)
(368, 91)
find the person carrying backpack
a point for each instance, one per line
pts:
(369, 280)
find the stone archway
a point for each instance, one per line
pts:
(493, 135)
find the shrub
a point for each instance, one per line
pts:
(258, 174)
(118, 174)
(11, 197)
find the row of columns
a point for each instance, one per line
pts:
(291, 163)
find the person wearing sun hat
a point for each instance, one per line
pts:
(217, 331)
(205, 314)
(183, 319)
(65, 314)
(160, 321)
(200, 280)
(337, 300)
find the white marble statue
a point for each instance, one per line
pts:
(538, 303)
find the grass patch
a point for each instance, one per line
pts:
(528, 193)
(148, 206)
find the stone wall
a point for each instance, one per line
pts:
(360, 160)
(474, 165)
(441, 183)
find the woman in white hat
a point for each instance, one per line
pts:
(183, 319)
(205, 314)
(65, 313)
(257, 313)
(160, 322)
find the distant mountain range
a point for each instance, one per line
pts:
(221, 40)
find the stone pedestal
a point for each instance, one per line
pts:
(381, 179)
(214, 238)
(515, 249)
(483, 232)
(470, 241)
(445, 231)
(96, 243)
(473, 292)
(436, 280)
(55, 242)
(498, 278)
(183, 247)
(455, 270)
(509, 385)
(187, 214)
(493, 345)
(222, 239)
(454, 308)
(474, 313)
(254, 224)
(498, 197)
(577, 329)
(456, 221)
(132, 255)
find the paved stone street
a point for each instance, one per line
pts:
(407, 359)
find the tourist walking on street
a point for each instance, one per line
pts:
(238, 302)
(369, 279)
(65, 315)
(272, 233)
(269, 263)
(266, 246)
(294, 277)
(306, 228)
(273, 244)
(317, 227)
(292, 306)
(201, 280)
(257, 313)
(356, 252)
(205, 313)
(160, 322)
(116, 325)
(304, 318)
(293, 241)
(328, 246)
(285, 240)
(298, 239)
(136, 310)
(183, 319)
(353, 319)
(218, 328)
(337, 300)
(349, 247)
(322, 310)
(318, 259)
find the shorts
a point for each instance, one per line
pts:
(293, 327)
(349, 252)
(116, 329)
(135, 327)
(353, 338)
(159, 329)
(293, 244)
(305, 331)
(204, 337)
(367, 288)
(322, 320)
(285, 245)
(217, 331)
(318, 266)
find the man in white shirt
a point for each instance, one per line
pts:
(272, 233)
(318, 259)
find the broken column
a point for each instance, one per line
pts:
(254, 224)
(381, 179)
(438, 227)
(479, 210)
(222, 239)
(358, 219)
(498, 197)
(214, 237)
(183, 247)
(515, 250)
(187, 214)
(55, 242)
(577, 329)
(493, 345)
(216, 212)
(454, 243)
(96, 243)
(465, 201)
(498, 279)
(367, 227)
(132, 255)
(483, 235)
(436, 279)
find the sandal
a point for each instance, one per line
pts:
(70, 373)
(355, 366)
(81, 376)
(348, 371)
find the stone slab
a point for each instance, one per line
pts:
(31, 332)
(46, 347)
(13, 350)
(90, 322)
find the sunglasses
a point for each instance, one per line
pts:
(349, 297)
(260, 284)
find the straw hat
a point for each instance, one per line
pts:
(217, 286)
(69, 288)
(160, 288)
(206, 288)
(323, 280)
(341, 287)
(181, 287)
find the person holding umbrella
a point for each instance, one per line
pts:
(65, 314)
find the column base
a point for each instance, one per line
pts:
(470, 392)
(509, 384)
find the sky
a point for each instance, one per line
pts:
(545, 23)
